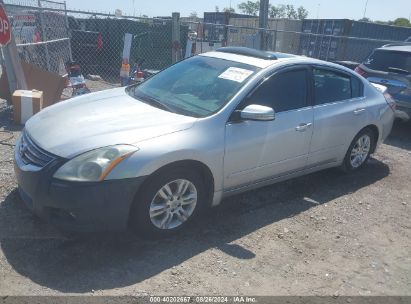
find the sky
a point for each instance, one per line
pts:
(333, 9)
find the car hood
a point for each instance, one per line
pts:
(100, 119)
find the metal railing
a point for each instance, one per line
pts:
(40, 32)
(321, 46)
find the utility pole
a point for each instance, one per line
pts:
(263, 21)
(365, 8)
(175, 36)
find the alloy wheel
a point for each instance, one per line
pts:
(360, 151)
(173, 204)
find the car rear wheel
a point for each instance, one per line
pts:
(359, 151)
(167, 203)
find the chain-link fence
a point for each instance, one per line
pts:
(40, 32)
(48, 35)
(98, 44)
(322, 46)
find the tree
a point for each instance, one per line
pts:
(402, 22)
(302, 13)
(397, 22)
(229, 10)
(277, 11)
(365, 19)
(250, 7)
(290, 12)
(194, 15)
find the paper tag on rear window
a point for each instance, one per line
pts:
(235, 74)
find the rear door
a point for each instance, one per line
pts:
(339, 114)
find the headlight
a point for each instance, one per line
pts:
(95, 165)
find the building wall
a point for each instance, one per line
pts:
(244, 32)
(332, 43)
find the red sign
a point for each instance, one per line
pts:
(5, 28)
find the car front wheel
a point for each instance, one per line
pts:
(167, 203)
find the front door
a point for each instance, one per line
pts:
(259, 150)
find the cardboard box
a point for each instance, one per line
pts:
(26, 104)
(51, 84)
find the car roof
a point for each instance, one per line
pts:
(279, 58)
(257, 62)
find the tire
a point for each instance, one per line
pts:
(359, 151)
(155, 216)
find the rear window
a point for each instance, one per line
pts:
(331, 86)
(382, 60)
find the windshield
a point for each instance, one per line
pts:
(385, 61)
(198, 86)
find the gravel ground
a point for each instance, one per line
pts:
(324, 234)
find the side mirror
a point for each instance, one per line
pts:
(257, 113)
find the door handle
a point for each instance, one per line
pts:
(303, 127)
(358, 111)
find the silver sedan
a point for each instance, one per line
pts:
(154, 155)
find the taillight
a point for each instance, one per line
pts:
(390, 101)
(139, 74)
(360, 71)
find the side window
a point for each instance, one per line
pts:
(330, 86)
(356, 87)
(283, 92)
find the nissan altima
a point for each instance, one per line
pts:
(153, 156)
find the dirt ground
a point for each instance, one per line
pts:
(324, 234)
(94, 86)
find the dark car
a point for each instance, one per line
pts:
(86, 46)
(390, 66)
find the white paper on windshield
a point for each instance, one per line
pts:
(235, 74)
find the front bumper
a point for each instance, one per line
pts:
(75, 206)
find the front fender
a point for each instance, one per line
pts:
(186, 145)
